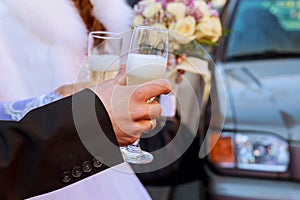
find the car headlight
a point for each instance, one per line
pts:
(250, 151)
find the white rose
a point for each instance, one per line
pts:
(184, 29)
(202, 6)
(177, 9)
(218, 3)
(209, 28)
(152, 9)
(138, 20)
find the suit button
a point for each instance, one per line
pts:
(97, 163)
(66, 176)
(76, 171)
(87, 166)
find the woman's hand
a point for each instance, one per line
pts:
(68, 90)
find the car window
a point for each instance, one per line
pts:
(264, 28)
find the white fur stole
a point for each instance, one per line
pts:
(43, 43)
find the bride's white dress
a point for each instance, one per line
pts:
(43, 46)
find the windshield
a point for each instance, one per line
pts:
(265, 28)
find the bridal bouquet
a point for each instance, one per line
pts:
(187, 20)
(190, 23)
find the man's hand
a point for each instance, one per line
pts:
(127, 106)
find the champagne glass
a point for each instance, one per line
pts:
(147, 60)
(104, 50)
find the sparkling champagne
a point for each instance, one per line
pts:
(142, 68)
(103, 66)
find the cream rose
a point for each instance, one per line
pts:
(202, 6)
(209, 28)
(138, 20)
(177, 9)
(152, 9)
(218, 3)
(184, 29)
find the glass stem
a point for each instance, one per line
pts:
(136, 143)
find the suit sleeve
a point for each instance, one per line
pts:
(56, 145)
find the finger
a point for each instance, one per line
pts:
(147, 125)
(178, 78)
(125, 140)
(155, 110)
(153, 89)
(152, 124)
(180, 71)
(146, 111)
(120, 77)
(122, 70)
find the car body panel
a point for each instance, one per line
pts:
(235, 188)
(261, 95)
(266, 96)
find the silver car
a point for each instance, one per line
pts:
(257, 154)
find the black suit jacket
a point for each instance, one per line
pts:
(56, 145)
